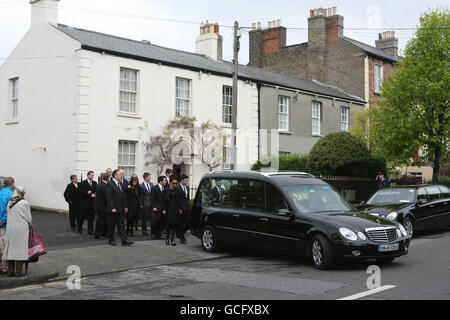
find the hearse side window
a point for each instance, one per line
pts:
(433, 193)
(275, 200)
(422, 195)
(204, 197)
(223, 192)
(250, 195)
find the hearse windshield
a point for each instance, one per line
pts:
(317, 198)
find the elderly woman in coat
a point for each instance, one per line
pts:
(17, 232)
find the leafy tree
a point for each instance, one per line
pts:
(414, 112)
(361, 128)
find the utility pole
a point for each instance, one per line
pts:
(236, 48)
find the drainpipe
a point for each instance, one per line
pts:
(258, 85)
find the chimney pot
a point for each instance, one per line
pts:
(259, 25)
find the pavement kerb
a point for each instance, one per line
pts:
(15, 283)
(10, 283)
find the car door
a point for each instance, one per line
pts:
(277, 227)
(238, 208)
(422, 211)
(436, 205)
(445, 198)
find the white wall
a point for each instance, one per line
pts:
(45, 64)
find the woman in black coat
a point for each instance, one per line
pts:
(133, 203)
(173, 212)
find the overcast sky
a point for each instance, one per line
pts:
(119, 17)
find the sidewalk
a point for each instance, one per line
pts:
(96, 256)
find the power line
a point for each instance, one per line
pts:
(145, 17)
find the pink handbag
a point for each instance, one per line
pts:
(36, 246)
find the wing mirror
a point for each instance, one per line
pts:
(362, 203)
(285, 213)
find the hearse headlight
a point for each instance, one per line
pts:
(362, 236)
(348, 234)
(403, 230)
(399, 233)
(392, 215)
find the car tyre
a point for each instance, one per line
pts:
(408, 223)
(209, 239)
(322, 253)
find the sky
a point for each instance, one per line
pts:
(175, 23)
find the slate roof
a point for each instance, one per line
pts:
(99, 42)
(372, 51)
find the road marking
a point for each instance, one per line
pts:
(368, 293)
(38, 286)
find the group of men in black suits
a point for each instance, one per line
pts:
(170, 207)
(165, 205)
(107, 198)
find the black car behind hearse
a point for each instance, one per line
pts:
(290, 211)
(417, 208)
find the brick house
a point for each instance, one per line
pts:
(328, 56)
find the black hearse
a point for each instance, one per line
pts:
(290, 210)
(417, 208)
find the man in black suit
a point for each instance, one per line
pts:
(183, 191)
(101, 225)
(146, 198)
(169, 174)
(88, 190)
(72, 197)
(158, 204)
(116, 208)
(218, 192)
(123, 181)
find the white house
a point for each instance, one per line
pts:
(74, 100)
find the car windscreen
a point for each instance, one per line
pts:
(317, 198)
(392, 196)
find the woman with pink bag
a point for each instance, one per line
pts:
(17, 233)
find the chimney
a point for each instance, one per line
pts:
(388, 43)
(317, 28)
(334, 25)
(266, 41)
(44, 11)
(209, 42)
(324, 26)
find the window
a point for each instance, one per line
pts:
(433, 193)
(227, 104)
(14, 98)
(227, 161)
(275, 200)
(127, 157)
(128, 90)
(344, 118)
(182, 97)
(316, 106)
(251, 195)
(445, 192)
(422, 195)
(283, 113)
(378, 78)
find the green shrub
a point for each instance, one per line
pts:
(287, 163)
(341, 154)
